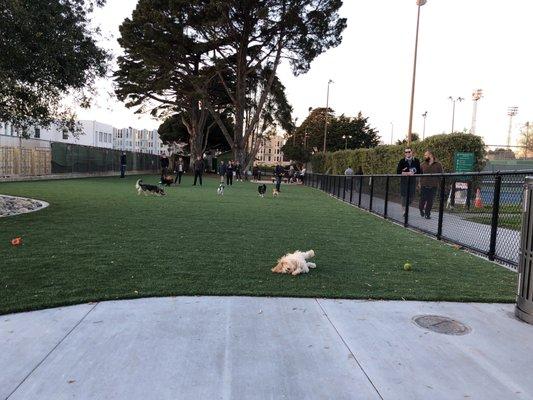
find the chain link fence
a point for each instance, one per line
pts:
(478, 211)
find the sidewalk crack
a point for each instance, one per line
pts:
(50, 352)
(349, 349)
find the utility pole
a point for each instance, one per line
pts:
(476, 96)
(424, 115)
(511, 112)
(419, 3)
(392, 133)
(459, 99)
(327, 115)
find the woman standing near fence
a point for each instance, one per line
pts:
(429, 184)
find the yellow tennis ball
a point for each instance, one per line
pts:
(407, 267)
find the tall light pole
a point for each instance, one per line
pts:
(294, 133)
(346, 141)
(327, 115)
(305, 135)
(476, 96)
(526, 151)
(459, 99)
(511, 112)
(424, 115)
(419, 3)
(391, 133)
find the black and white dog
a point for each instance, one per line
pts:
(148, 189)
(220, 190)
(262, 190)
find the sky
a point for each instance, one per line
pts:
(463, 45)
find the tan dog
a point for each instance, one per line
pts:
(295, 263)
(275, 193)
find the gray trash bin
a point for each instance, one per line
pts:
(524, 300)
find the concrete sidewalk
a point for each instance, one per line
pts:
(263, 348)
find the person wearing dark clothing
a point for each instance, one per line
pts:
(164, 166)
(229, 174)
(408, 166)
(222, 171)
(123, 163)
(278, 173)
(178, 170)
(429, 184)
(199, 167)
(238, 171)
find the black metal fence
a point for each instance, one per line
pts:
(478, 211)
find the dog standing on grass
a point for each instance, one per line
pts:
(275, 192)
(148, 189)
(262, 190)
(220, 190)
(295, 263)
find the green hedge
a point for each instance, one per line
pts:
(384, 159)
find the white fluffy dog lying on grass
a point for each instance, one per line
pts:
(295, 263)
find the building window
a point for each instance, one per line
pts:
(269, 151)
(65, 134)
(37, 133)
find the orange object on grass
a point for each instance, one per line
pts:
(17, 241)
(478, 203)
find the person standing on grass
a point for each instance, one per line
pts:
(229, 173)
(348, 171)
(178, 170)
(429, 184)
(199, 167)
(278, 173)
(408, 166)
(222, 171)
(238, 171)
(164, 166)
(123, 163)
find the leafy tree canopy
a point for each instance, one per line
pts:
(48, 52)
(358, 133)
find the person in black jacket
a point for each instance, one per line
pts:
(123, 163)
(164, 166)
(408, 167)
(199, 167)
(229, 173)
(278, 173)
(222, 171)
(238, 171)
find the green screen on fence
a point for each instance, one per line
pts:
(72, 158)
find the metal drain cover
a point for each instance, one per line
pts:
(440, 324)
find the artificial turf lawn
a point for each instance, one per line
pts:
(98, 240)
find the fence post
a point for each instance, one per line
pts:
(495, 215)
(360, 190)
(344, 190)
(339, 187)
(351, 189)
(371, 193)
(442, 197)
(407, 202)
(386, 208)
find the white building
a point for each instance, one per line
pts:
(96, 134)
(270, 151)
(138, 140)
(92, 133)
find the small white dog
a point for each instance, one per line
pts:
(295, 263)
(220, 190)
